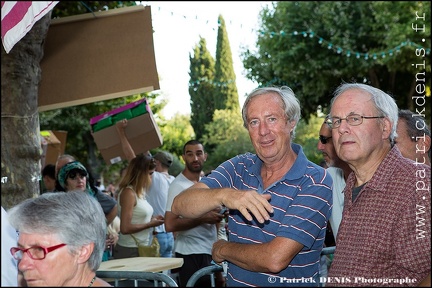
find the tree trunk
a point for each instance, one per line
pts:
(20, 134)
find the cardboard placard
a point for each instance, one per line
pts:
(105, 115)
(142, 133)
(62, 137)
(51, 147)
(98, 56)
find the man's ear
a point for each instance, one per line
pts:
(428, 143)
(423, 143)
(387, 126)
(85, 252)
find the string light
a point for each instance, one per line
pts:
(339, 50)
(367, 56)
(212, 82)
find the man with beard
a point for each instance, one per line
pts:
(194, 238)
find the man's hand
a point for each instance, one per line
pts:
(212, 217)
(249, 203)
(157, 220)
(110, 241)
(216, 251)
(199, 199)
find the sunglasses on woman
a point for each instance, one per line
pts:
(74, 174)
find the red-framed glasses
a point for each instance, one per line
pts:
(35, 252)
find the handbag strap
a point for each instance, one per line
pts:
(136, 240)
(151, 236)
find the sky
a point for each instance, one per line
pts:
(177, 29)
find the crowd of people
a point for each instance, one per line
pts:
(373, 195)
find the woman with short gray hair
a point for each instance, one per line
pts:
(61, 239)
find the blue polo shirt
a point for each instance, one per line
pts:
(301, 201)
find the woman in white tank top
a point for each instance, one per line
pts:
(134, 210)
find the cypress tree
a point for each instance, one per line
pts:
(201, 88)
(226, 94)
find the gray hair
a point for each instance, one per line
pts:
(416, 124)
(60, 158)
(291, 105)
(75, 217)
(383, 102)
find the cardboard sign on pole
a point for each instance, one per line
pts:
(98, 56)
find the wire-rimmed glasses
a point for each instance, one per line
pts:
(353, 120)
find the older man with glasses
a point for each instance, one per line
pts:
(384, 236)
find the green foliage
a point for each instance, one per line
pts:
(201, 90)
(176, 132)
(69, 8)
(206, 95)
(307, 136)
(315, 68)
(227, 134)
(226, 94)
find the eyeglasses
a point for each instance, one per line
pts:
(353, 120)
(324, 139)
(73, 175)
(35, 252)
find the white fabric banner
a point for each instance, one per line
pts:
(18, 17)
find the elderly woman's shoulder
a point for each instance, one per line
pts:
(101, 283)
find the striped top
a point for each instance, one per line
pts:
(301, 201)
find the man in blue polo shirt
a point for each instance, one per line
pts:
(279, 202)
